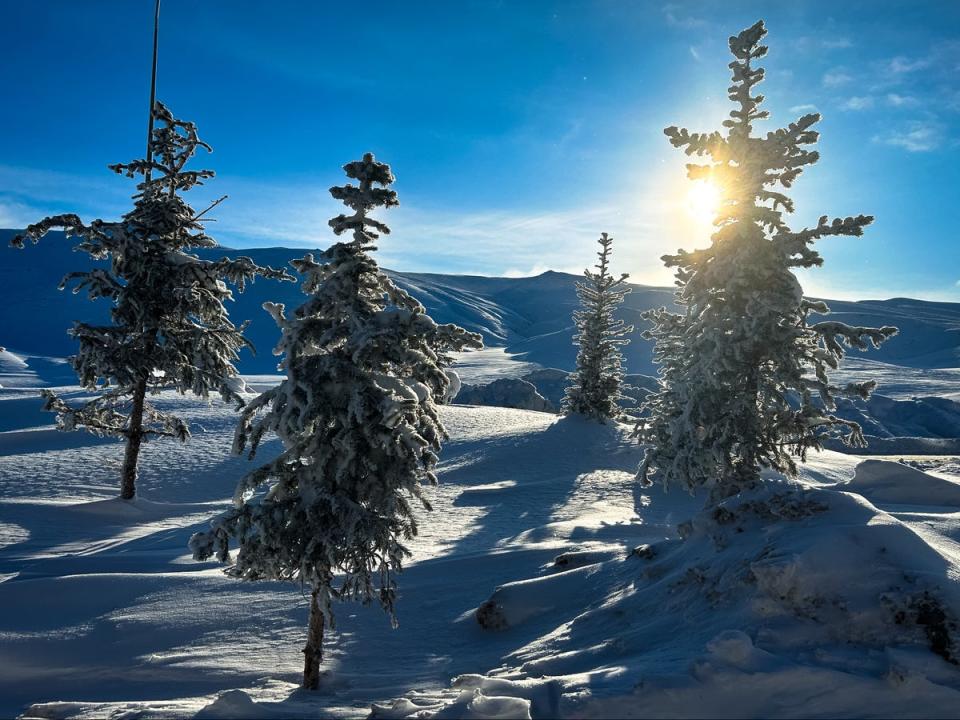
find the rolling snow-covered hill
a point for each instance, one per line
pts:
(526, 325)
(544, 584)
(530, 317)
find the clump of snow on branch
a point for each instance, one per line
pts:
(744, 373)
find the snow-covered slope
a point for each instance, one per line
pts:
(530, 316)
(834, 596)
(526, 325)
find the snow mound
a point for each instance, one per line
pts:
(505, 392)
(815, 599)
(453, 387)
(482, 697)
(232, 704)
(552, 384)
(514, 603)
(889, 482)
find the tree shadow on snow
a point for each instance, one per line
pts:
(525, 480)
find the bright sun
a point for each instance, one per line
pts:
(703, 201)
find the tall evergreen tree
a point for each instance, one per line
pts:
(744, 370)
(169, 326)
(358, 420)
(596, 385)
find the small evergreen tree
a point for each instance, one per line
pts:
(358, 421)
(596, 384)
(169, 327)
(744, 372)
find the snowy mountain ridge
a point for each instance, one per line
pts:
(529, 317)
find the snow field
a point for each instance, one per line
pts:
(595, 607)
(102, 596)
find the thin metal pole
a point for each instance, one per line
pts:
(153, 88)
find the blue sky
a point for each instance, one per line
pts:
(518, 131)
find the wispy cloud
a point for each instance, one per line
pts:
(918, 136)
(676, 16)
(857, 102)
(28, 194)
(952, 100)
(50, 189)
(514, 242)
(803, 109)
(936, 68)
(895, 100)
(16, 215)
(294, 213)
(811, 43)
(836, 43)
(836, 78)
(901, 65)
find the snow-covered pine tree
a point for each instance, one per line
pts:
(595, 389)
(169, 326)
(743, 370)
(358, 421)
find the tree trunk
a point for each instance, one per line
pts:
(313, 652)
(128, 479)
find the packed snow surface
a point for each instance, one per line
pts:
(543, 584)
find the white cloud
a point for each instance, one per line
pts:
(816, 43)
(917, 137)
(694, 53)
(56, 186)
(837, 43)
(952, 100)
(895, 100)
(509, 241)
(675, 17)
(27, 195)
(803, 109)
(294, 213)
(836, 78)
(901, 65)
(857, 102)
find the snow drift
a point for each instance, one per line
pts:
(794, 600)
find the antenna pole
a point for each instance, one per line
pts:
(153, 88)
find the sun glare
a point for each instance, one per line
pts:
(703, 201)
